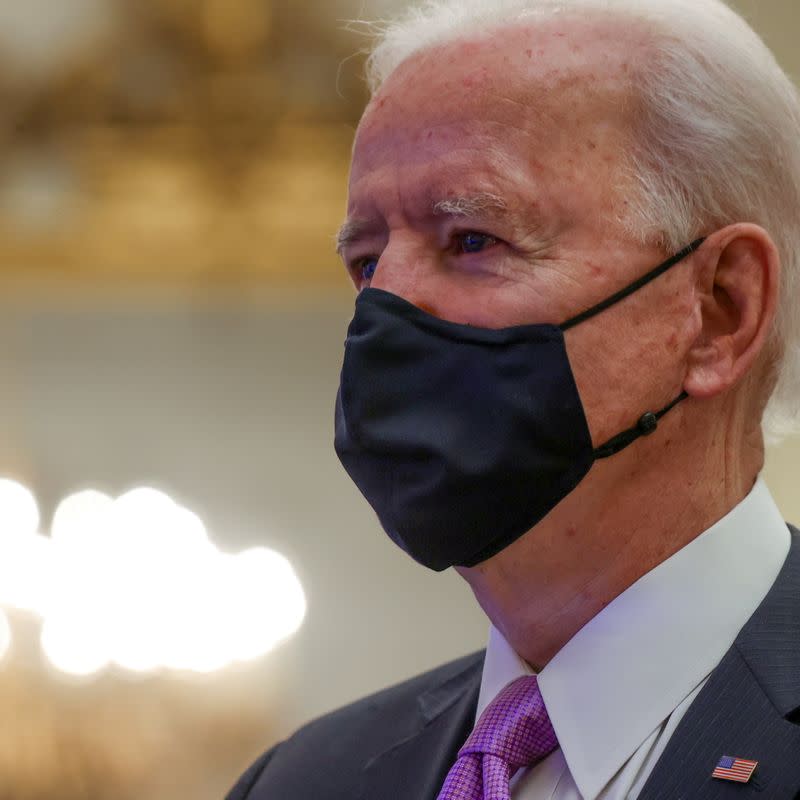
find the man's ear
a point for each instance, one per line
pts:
(737, 296)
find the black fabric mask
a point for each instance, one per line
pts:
(463, 438)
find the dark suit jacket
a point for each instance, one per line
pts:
(400, 743)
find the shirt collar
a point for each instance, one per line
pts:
(630, 666)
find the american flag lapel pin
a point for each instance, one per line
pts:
(734, 769)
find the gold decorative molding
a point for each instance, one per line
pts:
(195, 144)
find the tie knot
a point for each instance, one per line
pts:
(514, 727)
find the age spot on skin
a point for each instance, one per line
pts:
(672, 342)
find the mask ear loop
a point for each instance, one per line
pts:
(633, 287)
(646, 425)
(648, 422)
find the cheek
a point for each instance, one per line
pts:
(595, 358)
(623, 369)
(633, 357)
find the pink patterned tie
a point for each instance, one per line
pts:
(514, 731)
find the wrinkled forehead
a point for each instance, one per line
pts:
(544, 76)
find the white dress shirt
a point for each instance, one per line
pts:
(616, 691)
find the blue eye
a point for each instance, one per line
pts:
(474, 242)
(367, 267)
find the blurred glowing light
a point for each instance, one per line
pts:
(19, 513)
(266, 603)
(72, 648)
(136, 582)
(26, 570)
(81, 517)
(5, 635)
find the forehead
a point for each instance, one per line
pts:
(525, 60)
(546, 90)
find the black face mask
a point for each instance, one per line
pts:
(463, 438)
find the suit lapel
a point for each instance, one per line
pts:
(415, 766)
(748, 708)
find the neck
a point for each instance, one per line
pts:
(627, 516)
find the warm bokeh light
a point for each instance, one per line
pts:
(258, 579)
(27, 572)
(5, 635)
(80, 518)
(72, 647)
(136, 582)
(19, 512)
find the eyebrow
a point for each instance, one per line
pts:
(351, 230)
(470, 206)
(464, 206)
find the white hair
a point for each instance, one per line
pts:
(718, 141)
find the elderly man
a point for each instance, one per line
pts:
(574, 231)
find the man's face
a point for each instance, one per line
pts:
(526, 132)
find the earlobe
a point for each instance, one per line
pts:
(737, 293)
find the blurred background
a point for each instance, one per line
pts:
(186, 572)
